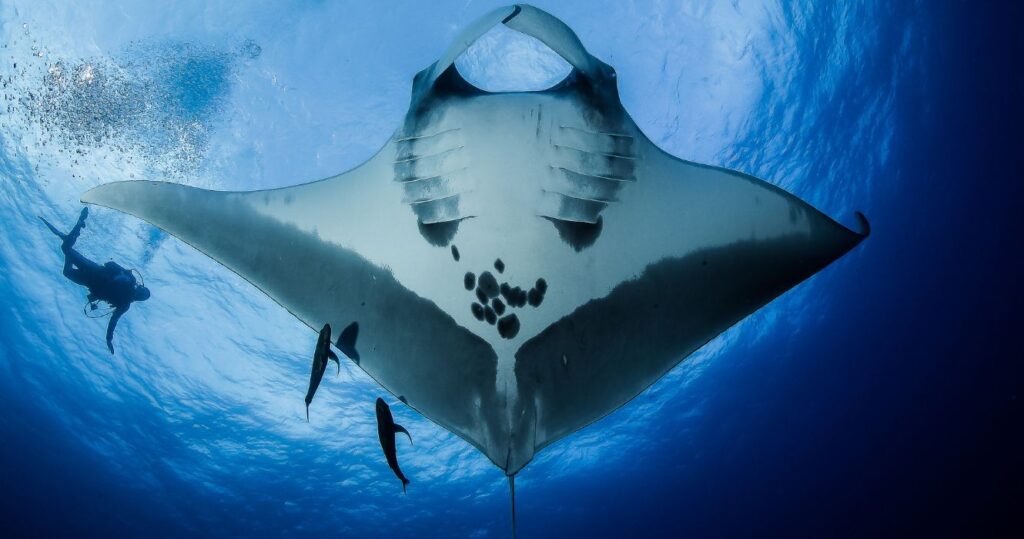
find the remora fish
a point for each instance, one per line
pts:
(322, 353)
(386, 429)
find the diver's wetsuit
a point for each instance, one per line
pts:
(109, 282)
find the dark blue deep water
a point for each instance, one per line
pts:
(881, 397)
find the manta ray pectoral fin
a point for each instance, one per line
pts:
(717, 245)
(399, 428)
(228, 227)
(299, 248)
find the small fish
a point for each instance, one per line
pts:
(386, 429)
(322, 353)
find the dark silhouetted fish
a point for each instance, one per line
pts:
(322, 353)
(386, 429)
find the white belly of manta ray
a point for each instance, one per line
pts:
(516, 266)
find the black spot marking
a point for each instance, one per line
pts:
(478, 311)
(488, 284)
(480, 295)
(508, 326)
(519, 295)
(498, 306)
(535, 297)
(455, 253)
(490, 316)
(499, 265)
(469, 280)
(506, 292)
(347, 341)
(541, 285)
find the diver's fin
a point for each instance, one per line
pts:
(52, 228)
(512, 491)
(399, 428)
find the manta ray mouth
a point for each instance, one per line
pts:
(504, 60)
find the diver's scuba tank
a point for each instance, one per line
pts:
(99, 308)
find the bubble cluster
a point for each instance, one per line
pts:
(157, 103)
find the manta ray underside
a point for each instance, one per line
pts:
(516, 265)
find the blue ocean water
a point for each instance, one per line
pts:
(881, 397)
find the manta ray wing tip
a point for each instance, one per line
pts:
(101, 194)
(89, 197)
(864, 225)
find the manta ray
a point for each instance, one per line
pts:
(516, 265)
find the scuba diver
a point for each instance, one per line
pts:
(110, 282)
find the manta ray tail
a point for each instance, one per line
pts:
(399, 428)
(512, 491)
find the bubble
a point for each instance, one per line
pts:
(157, 102)
(250, 49)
